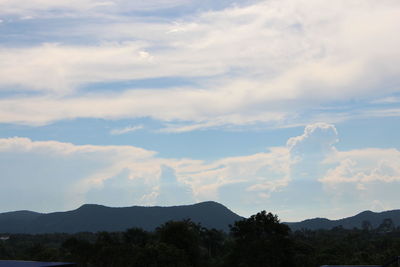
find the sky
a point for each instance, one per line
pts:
(288, 106)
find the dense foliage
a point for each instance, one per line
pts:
(258, 241)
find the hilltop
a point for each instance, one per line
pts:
(374, 218)
(94, 218)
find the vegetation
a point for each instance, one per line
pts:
(258, 241)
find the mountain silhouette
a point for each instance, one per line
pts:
(375, 219)
(94, 218)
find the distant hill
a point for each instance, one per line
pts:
(93, 218)
(375, 218)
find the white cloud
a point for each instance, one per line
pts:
(166, 105)
(43, 7)
(383, 112)
(23, 145)
(59, 69)
(337, 183)
(290, 179)
(359, 179)
(271, 59)
(364, 167)
(387, 100)
(107, 7)
(62, 174)
(126, 130)
(65, 175)
(318, 137)
(171, 191)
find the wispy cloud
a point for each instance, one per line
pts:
(126, 130)
(387, 100)
(69, 7)
(272, 62)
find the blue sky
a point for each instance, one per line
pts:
(292, 106)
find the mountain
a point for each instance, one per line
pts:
(375, 218)
(93, 218)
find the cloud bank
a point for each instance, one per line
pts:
(285, 179)
(272, 62)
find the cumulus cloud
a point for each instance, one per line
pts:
(329, 179)
(123, 175)
(54, 175)
(170, 191)
(309, 151)
(318, 138)
(361, 178)
(120, 190)
(364, 167)
(286, 180)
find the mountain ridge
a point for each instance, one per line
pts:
(94, 218)
(375, 219)
(210, 214)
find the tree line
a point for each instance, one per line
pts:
(259, 241)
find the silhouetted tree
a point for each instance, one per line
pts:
(261, 241)
(77, 250)
(184, 235)
(136, 236)
(213, 241)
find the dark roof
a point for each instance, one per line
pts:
(33, 264)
